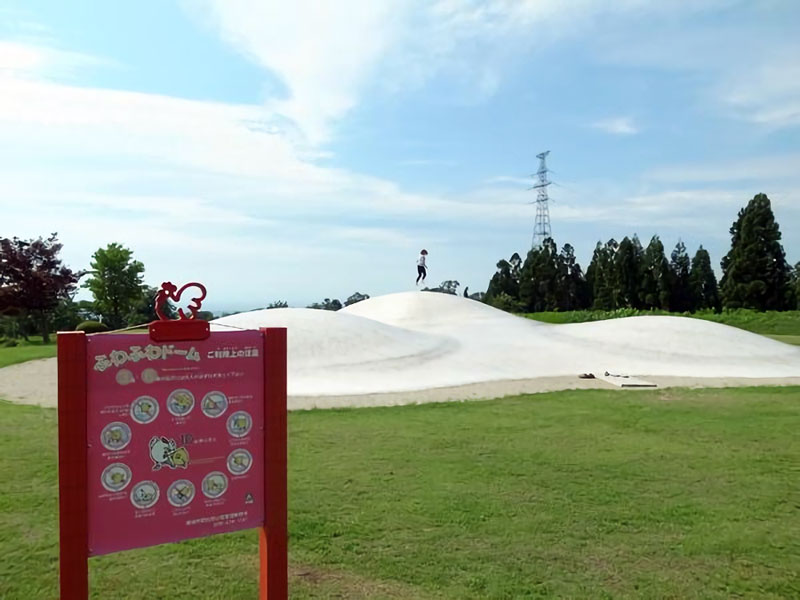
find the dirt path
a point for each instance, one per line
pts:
(35, 382)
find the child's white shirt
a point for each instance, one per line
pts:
(421, 261)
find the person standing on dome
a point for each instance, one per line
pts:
(422, 269)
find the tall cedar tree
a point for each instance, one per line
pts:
(703, 283)
(796, 281)
(755, 273)
(655, 280)
(539, 278)
(572, 290)
(601, 276)
(627, 270)
(116, 284)
(591, 272)
(506, 279)
(33, 280)
(679, 267)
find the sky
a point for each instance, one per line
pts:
(309, 149)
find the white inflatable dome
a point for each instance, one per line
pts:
(423, 340)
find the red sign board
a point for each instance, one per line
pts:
(175, 437)
(161, 441)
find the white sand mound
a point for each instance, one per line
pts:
(429, 343)
(417, 341)
(418, 310)
(333, 353)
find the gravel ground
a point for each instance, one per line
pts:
(34, 382)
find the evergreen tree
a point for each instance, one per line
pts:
(601, 276)
(755, 273)
(539, 278)
(703, 283)
(571, 287)
(796, 281)
(516, 267)
(679, 267)
(627, 271)
(654, 289)
(506, 279)
(591, 272)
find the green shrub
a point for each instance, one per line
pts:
(505, 302)
(10, 343)
(92, 327)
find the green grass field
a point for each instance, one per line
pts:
(583, 494)
(787, 339)
(26, 351)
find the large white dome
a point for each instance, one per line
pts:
(421, 340)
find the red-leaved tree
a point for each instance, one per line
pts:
(33, 279)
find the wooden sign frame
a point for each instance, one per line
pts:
(73, 451)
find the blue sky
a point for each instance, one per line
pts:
(301, 150)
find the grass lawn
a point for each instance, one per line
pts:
(27, 351)
(787, 339)
(584, 494)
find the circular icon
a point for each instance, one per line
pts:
(239, 461)
(115, 436)
(144, 409)
(144, 494)
(116, 477)
(180, 403)
(215, 484)
(149, 375)
(124, 377)
(214, 404)
(181, 493)
(240, 423)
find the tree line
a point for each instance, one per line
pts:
(37, 290)
(625, 274)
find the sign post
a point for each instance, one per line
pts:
(176, 435)
(274, 571)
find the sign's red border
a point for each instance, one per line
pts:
(72, 468)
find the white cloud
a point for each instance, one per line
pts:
(730, 76)
(509, 180)
(330, 55)
(617, 126)
(767, 93)
(427, 162)
(323, 52)
(762, 168)
(200, 186)
(194, 188)
(21, 59)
